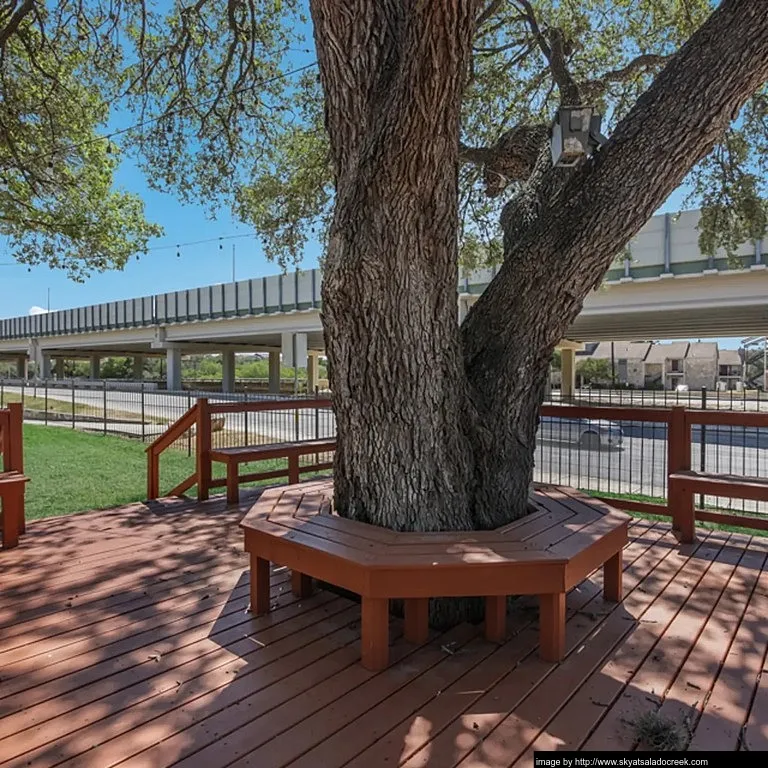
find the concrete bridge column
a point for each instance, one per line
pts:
(138, 367)
(274, 372)
(59, 368)
(173, 369)
(313, 372)
(227, 371)
(568, 372)
(95, 367)
(22, 367)
(44, 372)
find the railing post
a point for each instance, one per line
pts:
(203, 458)
(153, 474)
(679, 460)
(15, 454)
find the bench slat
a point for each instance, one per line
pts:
(741, 486)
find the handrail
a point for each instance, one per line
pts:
(160, 443)
(174, 431)
(199, 415)
(270, 405)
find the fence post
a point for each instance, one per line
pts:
(104, 399)
(679, 460)
(73, 403)
(143, 416)
(45, 412)
(203, 457)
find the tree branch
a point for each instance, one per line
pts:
(646, 61)
(13, 23)
(553, 48)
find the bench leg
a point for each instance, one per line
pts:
(301, 584)
(233, 483)
(417, 620)
(496, 618)
(259, 585)
(375, 633)
(613, 571)
(12, 503)
(552, 626)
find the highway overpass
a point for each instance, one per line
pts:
(665, 288)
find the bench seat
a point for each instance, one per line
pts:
(545, 554)
(736, 486)
(233, 457)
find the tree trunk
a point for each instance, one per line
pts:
(436, 428)
(404, 459)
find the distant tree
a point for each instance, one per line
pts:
(116, 368)
(594, 371)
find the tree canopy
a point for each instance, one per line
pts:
(207, 98)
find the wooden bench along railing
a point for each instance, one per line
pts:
(546, 553)
(199, 418)
(12, 478)
(683, 482)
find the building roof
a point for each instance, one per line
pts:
(658, 353)
(703, 350)
(729, 357)
(622, 350)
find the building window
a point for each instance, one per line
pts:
(676, 366)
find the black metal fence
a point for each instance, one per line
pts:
(732, 400)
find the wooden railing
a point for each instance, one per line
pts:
(200, 417)
(678, 420)
(11, 441)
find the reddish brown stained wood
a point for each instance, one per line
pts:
(552, 626)
(613, 572)
(416, 625)
(375, 633)
(288, 689)
(259, 585)
(496, 618)
(301, 584)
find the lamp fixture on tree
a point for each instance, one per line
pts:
(575, 135)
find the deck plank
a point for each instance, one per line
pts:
(130, 644)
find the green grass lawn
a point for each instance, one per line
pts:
(73, 471)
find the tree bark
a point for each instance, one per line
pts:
(389, 286)
(436, 428)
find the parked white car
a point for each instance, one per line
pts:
(588, 433)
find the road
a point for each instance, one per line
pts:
(639, 467)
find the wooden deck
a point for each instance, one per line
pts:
(125, 640)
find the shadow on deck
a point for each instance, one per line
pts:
(125, 639)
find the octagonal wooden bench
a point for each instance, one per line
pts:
(545, 554)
